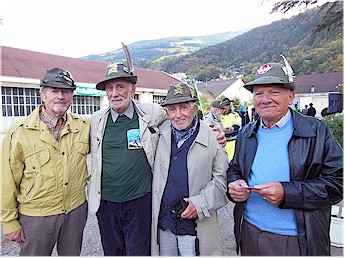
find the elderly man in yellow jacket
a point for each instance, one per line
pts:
(43, 199)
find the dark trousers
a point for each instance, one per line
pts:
(255, 242)
(126, 227)
(43, 232)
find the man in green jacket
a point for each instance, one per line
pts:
(43, 199)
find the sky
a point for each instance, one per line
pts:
(77, 28)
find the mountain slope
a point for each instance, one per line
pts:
(291, 37)
(149, 50)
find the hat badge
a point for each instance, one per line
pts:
(264, 69)
(178, 89)
(112, 68)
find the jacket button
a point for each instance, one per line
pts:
(175, 158)
(33, 167)
(63, 153)
(66, 183)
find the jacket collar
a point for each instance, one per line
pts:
(202, 136)
(300, 123)
(33, 121)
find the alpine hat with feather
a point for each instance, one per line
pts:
(114, 71)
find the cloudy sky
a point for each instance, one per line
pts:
(77, 28)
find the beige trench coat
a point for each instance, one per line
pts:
(207, 165)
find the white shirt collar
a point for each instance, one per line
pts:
(280, 123)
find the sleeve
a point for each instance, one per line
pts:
(11, 167)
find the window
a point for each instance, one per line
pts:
(19, 101)
(158, 99)
(85, 105)
(136, 97)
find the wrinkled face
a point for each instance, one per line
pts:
(218, 111)
(57, 100)
(181, 114)
(119, 94)
(272, 102)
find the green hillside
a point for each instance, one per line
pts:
(307, 52)
(146, 51)
(232, 53)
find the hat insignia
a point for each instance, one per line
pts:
(178, 89)
(112, 68)
(264, 69)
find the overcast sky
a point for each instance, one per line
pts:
(77, 28)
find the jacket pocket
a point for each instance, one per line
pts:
(32, 177)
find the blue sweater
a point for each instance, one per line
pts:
(271, 164)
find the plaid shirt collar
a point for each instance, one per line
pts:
(49, 118)
(54, 123)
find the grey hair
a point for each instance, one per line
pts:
(43, 89)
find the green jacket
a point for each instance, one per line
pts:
(40, 176)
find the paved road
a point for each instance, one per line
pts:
(92, 243)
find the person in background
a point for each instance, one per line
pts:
(244, 116)
(286, 173)
(119, 185)
(189, 181)
(231, 122)
(311, 110)
(214, 116)
(297, 108)
(44, 171)
(305, 110)
(255, 115)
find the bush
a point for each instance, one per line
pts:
(335, 123)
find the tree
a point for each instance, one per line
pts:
(333, 15)
(335, 123)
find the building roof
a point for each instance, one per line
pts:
(216, 87)
(322, 82)
(30, 64)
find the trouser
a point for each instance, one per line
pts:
(42, 232)
(125, 227)
(174, 245)
(255, 242)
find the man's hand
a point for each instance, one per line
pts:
(229, 129)
(237, 192)
(273, 192)
(16, 236)
(190, 212)
(221, 136)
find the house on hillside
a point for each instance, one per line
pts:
(230, 88)
(21, 71)
(315, 88)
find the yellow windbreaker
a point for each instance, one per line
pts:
(40, 176)
(229, 120)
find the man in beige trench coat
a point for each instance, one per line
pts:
(189, 170)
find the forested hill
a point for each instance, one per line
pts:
(307, 52)
(145, 52)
